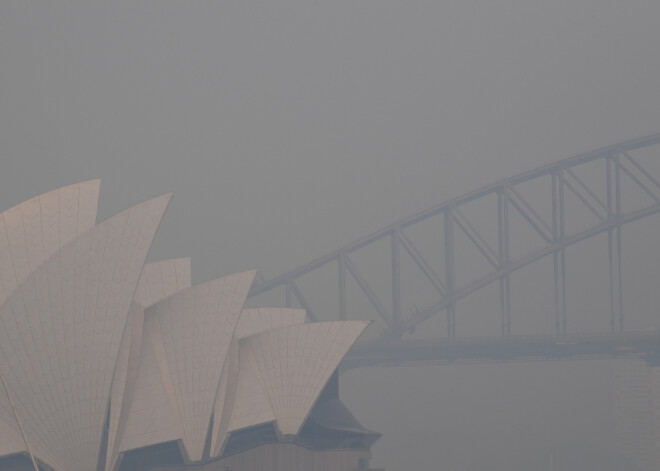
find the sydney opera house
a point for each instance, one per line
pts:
(111, 364)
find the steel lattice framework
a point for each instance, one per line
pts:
(602, 199)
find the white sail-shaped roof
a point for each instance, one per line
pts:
(252, 405)
(118, 384)
(224, 400)
(60, 332)
(30, 233)
(152, 417)
(34, 230)
(197, 325)
(296, 362)
(160, 280)
(157, 281)
(252, 321)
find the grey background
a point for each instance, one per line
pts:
(287, 129)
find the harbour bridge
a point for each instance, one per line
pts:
(449, 252)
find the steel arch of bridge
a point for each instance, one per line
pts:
(610, 216)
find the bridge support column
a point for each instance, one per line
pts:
(560, 291)
(450, 274)
(503, 238)
(614, 209)
(616, 280)
(559, 256)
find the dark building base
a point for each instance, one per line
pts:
(283, 457)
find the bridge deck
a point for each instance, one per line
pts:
(501, 349)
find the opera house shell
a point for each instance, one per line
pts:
(111, 364)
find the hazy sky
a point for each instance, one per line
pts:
(287, 129)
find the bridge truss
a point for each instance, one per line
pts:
(539, 199)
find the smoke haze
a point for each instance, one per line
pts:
(288, 129)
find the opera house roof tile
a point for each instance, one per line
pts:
(151, 416)
(197, 325)
(61, 329)
(252, 321)
(157, 281)
(34, 230)
(103, 354)
(295, 362)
